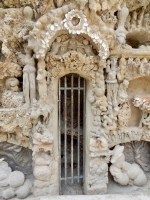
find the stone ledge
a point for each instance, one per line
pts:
(98, 197)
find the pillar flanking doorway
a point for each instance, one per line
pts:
(71, 118)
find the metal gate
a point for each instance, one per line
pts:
(71, 128)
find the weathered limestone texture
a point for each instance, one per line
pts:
(81, 133)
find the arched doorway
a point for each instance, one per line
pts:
(71, 120)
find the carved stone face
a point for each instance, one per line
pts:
(113, 60)
(28, 12)
(12, 84)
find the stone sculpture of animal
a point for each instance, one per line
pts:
(123, 172)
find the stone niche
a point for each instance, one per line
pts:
(137, 86)
(74, 97)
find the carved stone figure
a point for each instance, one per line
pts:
(146, 21)
(55, 46)
(12, 84)
(134, 19)
(29, 89)
(140, 17)
(123, 172)
(112, 84)
(121, 32)
(41, 78)
(11, 97)
(88, 48)
(122, 69)
(122, 94)
(28, 14)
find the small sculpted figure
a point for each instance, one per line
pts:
(28, 14)
(55, 46)
(123, 172)
(122, 69)
(112, 85)
(29, 70)
(147, 68)
(73, 43)
(122, 93)
(88, 48)
(41, 78)
(131, 68)
(121, 31)
(136, 66)
(29, 79)
(142, 67)
(134, 19)
(140, 17)
(146, 20)
(128, 22)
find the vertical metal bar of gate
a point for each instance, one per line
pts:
(84, 120)
(78, 129)
(59, 129)
(65, 119)
(72, 113)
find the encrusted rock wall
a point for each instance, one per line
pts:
(107, 42)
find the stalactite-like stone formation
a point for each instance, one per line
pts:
(108, 44)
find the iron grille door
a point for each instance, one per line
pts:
(71, 128)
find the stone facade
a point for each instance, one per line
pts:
(105, 42)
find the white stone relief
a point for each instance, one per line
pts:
(75, 22)
(13, 183)
(123, 172)
(11, 97)
(106, 43)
